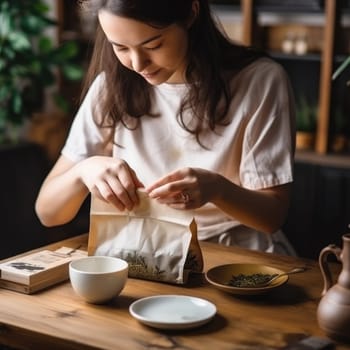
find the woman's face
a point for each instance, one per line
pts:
(158, 55)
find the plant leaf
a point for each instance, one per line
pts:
(45, 45)
(341, 68)
(17, 102)
(33, 24)
(4, 25)
(19, 41)
(65, 52)
(4, 93)
(30, 60)
(72, 72)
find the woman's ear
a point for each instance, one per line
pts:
(194, 13)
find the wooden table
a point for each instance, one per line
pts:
(58, 319)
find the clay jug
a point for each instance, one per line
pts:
(333, 311)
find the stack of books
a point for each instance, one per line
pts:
(37, 270)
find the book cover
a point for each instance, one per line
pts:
(43, 265)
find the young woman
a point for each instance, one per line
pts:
(174, 106)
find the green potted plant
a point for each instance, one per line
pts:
(30, 63)
(31, 68)
(305, 124)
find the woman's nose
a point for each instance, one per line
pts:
(139, 61)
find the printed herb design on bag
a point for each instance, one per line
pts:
(139, 268)
(192, 262)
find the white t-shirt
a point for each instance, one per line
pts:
(255, 150)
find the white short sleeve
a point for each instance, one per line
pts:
(269, 136)
(85, 138)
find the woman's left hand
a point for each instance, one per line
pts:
(186, 188)
(189, 188)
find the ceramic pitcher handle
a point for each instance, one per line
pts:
(326, 272)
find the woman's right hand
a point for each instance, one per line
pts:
(112, 180)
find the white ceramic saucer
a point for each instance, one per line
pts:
(172, 311)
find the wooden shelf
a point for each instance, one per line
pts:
(292, 57)
(331, 24)
(247, 13)
(329, 159)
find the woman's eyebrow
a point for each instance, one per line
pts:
(140, 44)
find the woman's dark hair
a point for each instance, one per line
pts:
(212, 59)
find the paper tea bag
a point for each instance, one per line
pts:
(159, 243)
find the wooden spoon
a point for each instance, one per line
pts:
(274, 277)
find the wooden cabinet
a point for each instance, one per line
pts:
(314, 71)
(326, 67)
(328, 46)
(320, 207)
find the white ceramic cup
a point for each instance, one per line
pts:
(98, 279)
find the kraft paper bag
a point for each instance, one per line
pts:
(159, 243)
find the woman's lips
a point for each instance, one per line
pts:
(150, 75)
